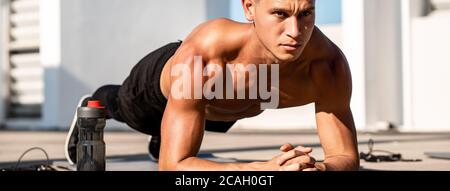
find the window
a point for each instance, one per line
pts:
(25, 70)
(327, 11)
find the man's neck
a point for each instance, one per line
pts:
(253, 50)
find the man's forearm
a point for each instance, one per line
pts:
(198, 164)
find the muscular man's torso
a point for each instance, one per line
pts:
(296, 80)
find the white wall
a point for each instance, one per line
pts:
(353, 25)
(101, 40)
(430, 72)
(383, 62)
(372, 44)
(50, 52)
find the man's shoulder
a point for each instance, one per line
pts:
(215, 37)
(331, 74)
(326, 58)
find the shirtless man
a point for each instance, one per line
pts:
(281, 32)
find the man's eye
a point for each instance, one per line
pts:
(306, 13)
(280, 14)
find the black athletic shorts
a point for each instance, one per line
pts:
(141, 103)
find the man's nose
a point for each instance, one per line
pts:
(293, 28)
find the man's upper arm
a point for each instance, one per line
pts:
(334, 118)
(181, 132)
(182, 125)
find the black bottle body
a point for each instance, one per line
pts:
(91, 146)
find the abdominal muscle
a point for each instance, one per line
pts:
(214, 113)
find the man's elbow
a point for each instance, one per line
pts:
(353, 162)
(353, 165)
(171, 165)
(167, 167)
(357, 164)
(342, 163)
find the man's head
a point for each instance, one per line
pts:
(284, 27)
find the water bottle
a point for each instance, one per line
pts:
(91, 146)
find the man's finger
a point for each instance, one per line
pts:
(302, 159)
(310, 169)
(286, 147)
(293, 167)
(304, 149)
(289, 155)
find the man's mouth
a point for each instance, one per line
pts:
(291, 47)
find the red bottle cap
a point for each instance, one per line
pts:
(95, 104)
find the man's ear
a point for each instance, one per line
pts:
(249, 9)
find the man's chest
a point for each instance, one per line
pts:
(289, 93)
(295, 92)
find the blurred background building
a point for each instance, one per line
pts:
(54, 51)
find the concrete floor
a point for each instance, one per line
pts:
(127, 151)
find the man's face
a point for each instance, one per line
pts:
(284, 26)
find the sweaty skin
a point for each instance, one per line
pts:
(312, 69)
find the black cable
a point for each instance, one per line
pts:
(29, 150)
(390, 157)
